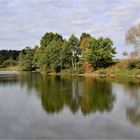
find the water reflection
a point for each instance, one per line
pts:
(87, 95)
(55, 93)
(133, 112)
(34, 106)
(131, 87)
(76, 93)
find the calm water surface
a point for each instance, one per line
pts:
(33, 106)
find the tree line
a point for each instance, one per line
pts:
(74, 54)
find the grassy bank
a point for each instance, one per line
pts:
(116, 72)
(121, 68)
(104, 73)
(11, 68)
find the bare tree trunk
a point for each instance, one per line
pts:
(75, 65)
(72, 64)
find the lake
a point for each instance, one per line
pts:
(33, 106)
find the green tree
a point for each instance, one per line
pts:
(48, 37)
(125, 53)
(84, 35)
(51, 58)
(73, 43)
(66, 55)
(100, 52)
(9, 62)
(48, 55)
(85, 42)
(37, 56)
(26, 58)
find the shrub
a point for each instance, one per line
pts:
(134, 63)
(79, 70)
(9, 62)
(100, 52)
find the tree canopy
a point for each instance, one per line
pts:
(26, 58)
(99, 52)
(56, 53)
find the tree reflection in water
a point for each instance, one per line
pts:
(76, 93)
(131, 87)
(133, 112)
(85, 94)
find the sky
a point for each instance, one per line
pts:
(24, 22)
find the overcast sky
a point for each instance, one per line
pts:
(24, 22)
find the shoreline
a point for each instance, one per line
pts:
(91, 74)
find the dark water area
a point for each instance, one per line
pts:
(34, 106)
